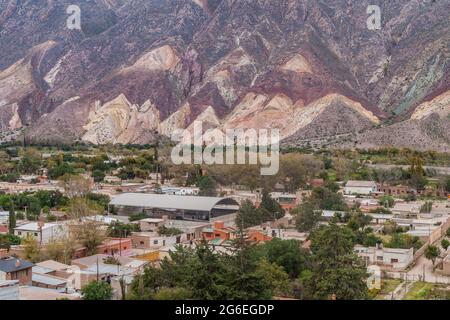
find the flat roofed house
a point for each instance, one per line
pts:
(286, 200)
(192, 208)
(151, 240)
(42, 233)
(388, 258)
(360, 187)
(411, 209)
(219, 231)
(151, 224)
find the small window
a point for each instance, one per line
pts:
(155, 241)
(394, 260)
(19, 233)
(380, 258)
(141, 242)
(35, 234)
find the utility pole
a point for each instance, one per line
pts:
(97, 271)
(423, 273)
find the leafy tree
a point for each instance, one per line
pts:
(207, 186)
(31, 249)
(416, 171)
(275, 276)
(447, 185)
(137, 216)
(89, 235)
(389, 200)
(445, 244)
(249, 216)
(306, 216)
(60, 170)
(11, 221)
(30, 161)
(359, 221)
(176, 293)
(163, 230)
(431, 253)
(287, 254)
(97, 290)
(98, 175)
(205, 274)
(325, 199)
(118, 229)
(61, 250)
(404, 241)
(271, 205)
(336, 269)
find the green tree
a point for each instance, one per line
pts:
(97, 290)
(175, 293)
(287, 254)
(431, 253)
(275, 276)
(336, 268)
(306, 216)
(118, 229)
(32, 251)
(11, 221)
(271, 205)
(387, 200)
(207, 186)
(445, 244)
(98, 175)
(447, 185)
(249, 216)
(90, 236)
(325, 199)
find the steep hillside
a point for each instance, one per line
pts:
(310, 68)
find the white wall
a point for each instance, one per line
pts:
(359, 190)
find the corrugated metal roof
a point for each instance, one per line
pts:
(360, 183)
(164, 201)
(47, 280)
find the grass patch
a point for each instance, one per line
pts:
(428, 291)
(387, 286)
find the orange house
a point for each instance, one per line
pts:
(219, 231)
(257, 236)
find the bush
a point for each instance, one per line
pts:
(97, 290)
(445, 243)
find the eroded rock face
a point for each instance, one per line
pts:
(119, 121)
(290, 64)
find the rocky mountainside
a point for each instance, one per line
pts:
(312, 68)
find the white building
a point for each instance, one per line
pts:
(392, 258)
(360, 187)
(179, 191)
(44, 234)
(4, 216)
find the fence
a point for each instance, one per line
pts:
(433, 238)
(417, 277)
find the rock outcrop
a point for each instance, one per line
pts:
(146, 67)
